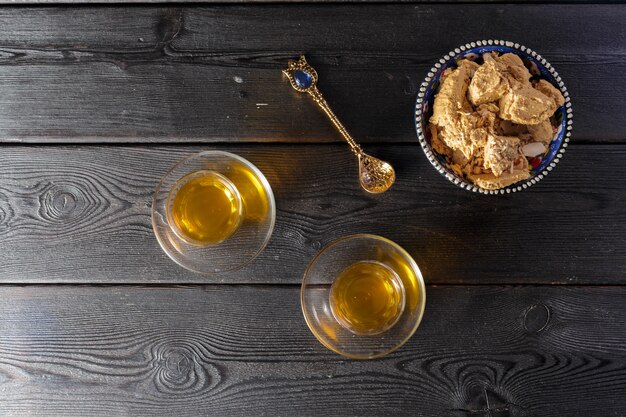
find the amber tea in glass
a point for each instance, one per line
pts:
(213, 212)
(204, 208)
(363, 296)
(367, 298)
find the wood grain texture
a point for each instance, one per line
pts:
(82, 215)
(144, 2)
(211, 74)
(246, 351)
(63, 29)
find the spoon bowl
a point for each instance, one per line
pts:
(376, 176)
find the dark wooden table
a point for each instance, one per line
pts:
(526, 309)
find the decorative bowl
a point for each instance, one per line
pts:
(538, 67)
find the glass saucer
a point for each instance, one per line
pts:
(332, 262)
(258, 214)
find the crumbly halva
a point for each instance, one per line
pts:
(489, 119)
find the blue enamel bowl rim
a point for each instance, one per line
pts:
(426, 93)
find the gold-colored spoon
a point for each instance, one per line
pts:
(376, 176)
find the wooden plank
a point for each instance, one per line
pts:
(82, 214)
(62, 30)
(246, 351)
(143, 2)
(211, 74)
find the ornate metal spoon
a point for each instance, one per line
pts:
(376, 176)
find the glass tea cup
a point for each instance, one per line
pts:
(213, 212)
(363, 296)
(204, 208)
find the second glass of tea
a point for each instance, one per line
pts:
(363, 296)
(213, 211)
